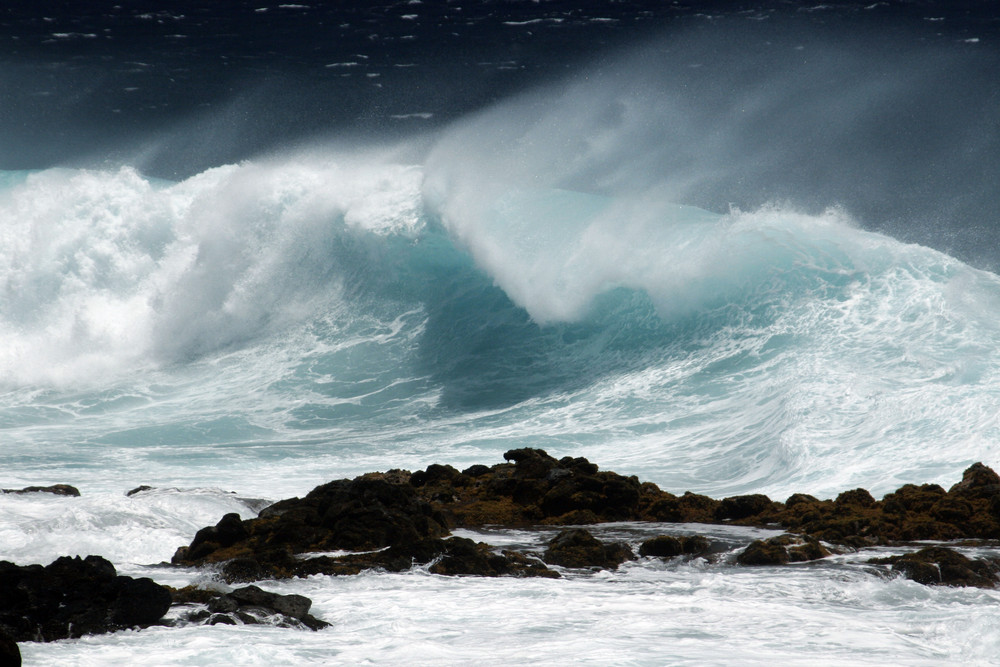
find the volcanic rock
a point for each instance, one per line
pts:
(576, 547)
(667, 546)
(10, 654)
(57, 489)
(535, 488)
(397, 519)
(741, 507)
(369, 512)
(72, 597)
(941, 566)
(781, 550)
(249, 605)
(452, 556)
(969, 510)
(978, 481)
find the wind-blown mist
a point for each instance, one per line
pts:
(901, 134)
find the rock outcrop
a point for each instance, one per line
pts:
(371, 512)
(72, 597)
(403, 519)
(248, 605)
(941, 566)
(10, 654)
(576, 547)
(379, 514)
(781, 550)
(668, 546)
(56, 489)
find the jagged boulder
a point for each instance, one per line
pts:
(978, 481)
(668, 546)
(72, 597)
(370, 512)
(576, 547)
(687, 508)
(534, 488)
(226, 533)
(56, 489)
(782, 549)
(10, 654)
(942, 566)
(248, 605)
(855, 498)
(741, 507)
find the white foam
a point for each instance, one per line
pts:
(130, 531)
(104, 272)
(648, 613)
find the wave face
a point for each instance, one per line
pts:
(350, 307)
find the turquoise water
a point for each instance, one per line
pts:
(306, 318)
(258, 329)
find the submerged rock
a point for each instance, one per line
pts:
(462, 556)
(248, 606)
(72, 597)
(56, 489)
(667, 546)
(781, 550)
(941, 566)
(576, 547)
(452, 556)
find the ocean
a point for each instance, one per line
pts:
(249, 248)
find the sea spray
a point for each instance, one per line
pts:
(108, 271)
(310, 303)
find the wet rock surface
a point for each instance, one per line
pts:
(72, 597)
(538, 489)
(781, 550)
(55, 489)
(396, 520)
(399, 519)
(10, 654)
(452, 556)
(668, 546)
(578, 548)
(371, 512)
(942, 566)
(248, 605)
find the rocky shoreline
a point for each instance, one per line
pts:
(398, 519)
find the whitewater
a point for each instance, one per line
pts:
(544, 271)
(261, 328)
